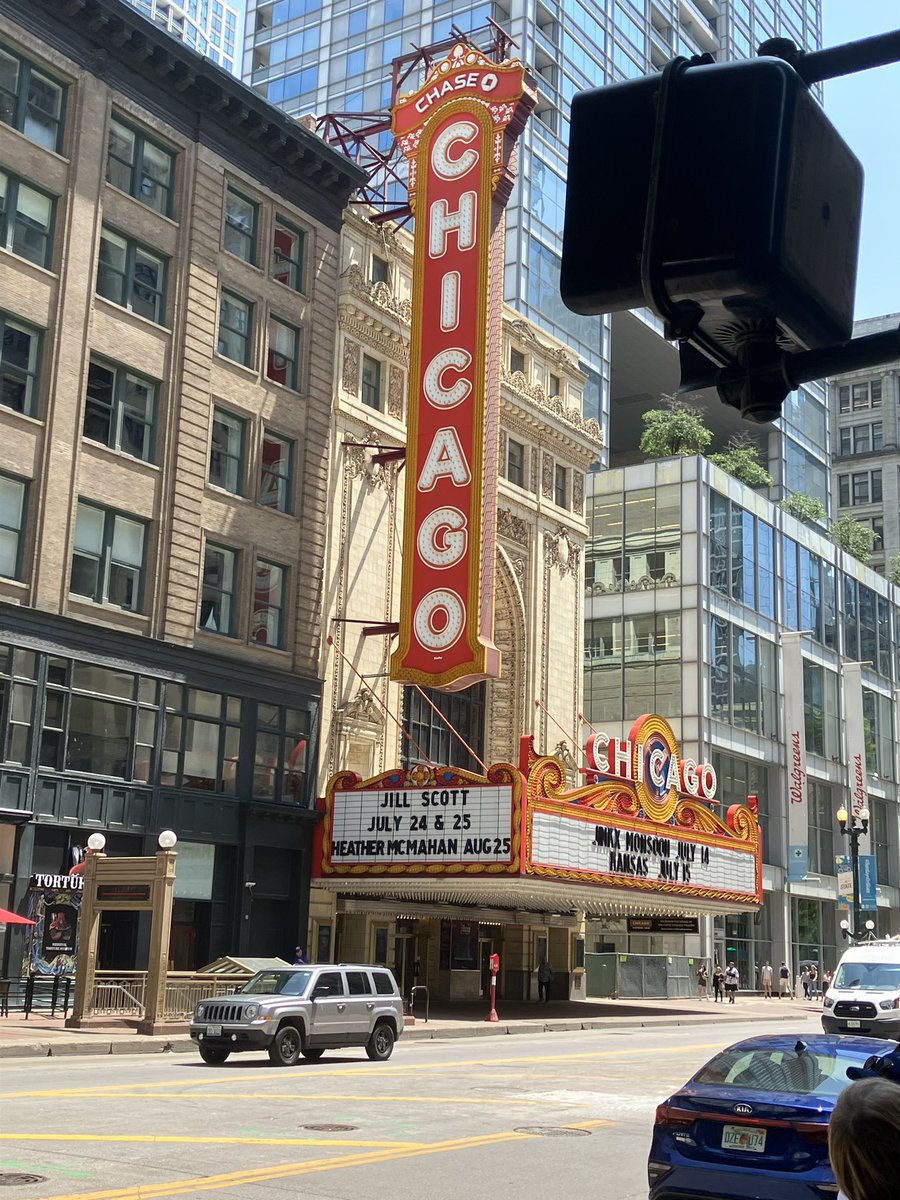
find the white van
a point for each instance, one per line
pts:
(864, 996)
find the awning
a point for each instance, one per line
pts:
(528, 895)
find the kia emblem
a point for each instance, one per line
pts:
(743, 1109)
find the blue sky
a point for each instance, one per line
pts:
(866, 109)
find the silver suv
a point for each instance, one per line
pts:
(305, 1010)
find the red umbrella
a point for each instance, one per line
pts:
(11, 918)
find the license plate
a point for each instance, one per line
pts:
(214, 1031)
(740, 1137)
(853, 1024)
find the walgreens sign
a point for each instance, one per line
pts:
(457, 133)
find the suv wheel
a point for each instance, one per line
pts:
(381, 1044)
(313, 1053)
(214, 1055)
(285, 1049)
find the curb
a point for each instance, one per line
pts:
(180, 1045)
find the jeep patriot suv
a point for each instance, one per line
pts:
(303, 1010)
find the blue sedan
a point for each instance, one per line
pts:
(753, 1122)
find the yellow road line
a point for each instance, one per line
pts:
(208, 1183)
(373, 1098)
(385, 1069)
(203, 1141)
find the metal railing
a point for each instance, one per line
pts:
(123, 993)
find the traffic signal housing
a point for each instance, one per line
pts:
(722, 197)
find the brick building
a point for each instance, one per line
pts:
(168, 298)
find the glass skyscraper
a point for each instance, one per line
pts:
(208, 26)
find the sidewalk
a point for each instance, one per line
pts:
(42, 1036)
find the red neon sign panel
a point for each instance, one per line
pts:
(457, 133)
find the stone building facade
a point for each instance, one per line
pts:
(546, 449)
(168, 296)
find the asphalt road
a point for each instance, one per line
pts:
(538, 1116)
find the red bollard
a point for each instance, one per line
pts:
(495, 971)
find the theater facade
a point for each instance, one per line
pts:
(448, 867)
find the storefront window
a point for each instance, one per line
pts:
(814, 934)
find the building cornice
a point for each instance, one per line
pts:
(114, 42)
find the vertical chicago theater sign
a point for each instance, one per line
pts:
(457, 133)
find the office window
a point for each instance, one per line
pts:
(267, 620)
(235, 327)
(108, 559)
(129, 275)
(560, 486)
(226, 454)
(515, 462)
(380, 271)
(516, 360)
(12, 525)
(19, 364)
(30, 101)
(241, 217)
(139, 166)
(371, 382)
(554, 386)
(276, 472)
(862, 487)
(282, 361)
(217, 604)
(26, 220)
(859, 396)
(119, 409)
(821, 809)
(288, 251)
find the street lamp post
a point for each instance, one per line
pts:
(854, 827)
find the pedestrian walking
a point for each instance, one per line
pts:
(784, 980)
(864, 1139)
(804, 982)
(544, 979)
(813, 980)
(765, 979)
(732, 979)
(718, 983)
(702, 983)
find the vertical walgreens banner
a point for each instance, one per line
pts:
(795, 740)
(855, 733)
(457, 133)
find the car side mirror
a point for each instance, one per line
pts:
(321, 989)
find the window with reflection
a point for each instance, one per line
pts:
(282, 749)
(878, 714)
(201, 739)
(18, 687)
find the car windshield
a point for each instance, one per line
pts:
(771, 1070)
(281, 983)
(868, 976)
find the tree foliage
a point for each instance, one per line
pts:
(853, 537)
(893, 570)
(740, 458)
(804, 508)
(673, 430)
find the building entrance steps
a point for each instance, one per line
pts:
(43, 1036)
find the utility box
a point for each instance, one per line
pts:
(754, 213)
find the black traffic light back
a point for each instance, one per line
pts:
(745, 202)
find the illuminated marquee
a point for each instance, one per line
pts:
(457, 133)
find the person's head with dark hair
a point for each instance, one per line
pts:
(864, 1139)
